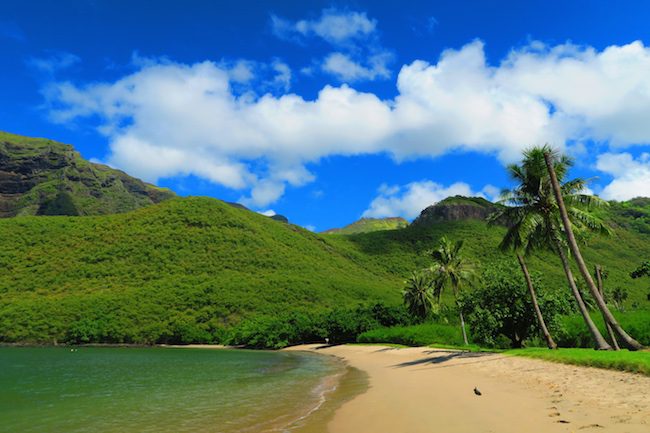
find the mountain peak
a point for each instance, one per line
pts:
(456, 208)
(43, 177)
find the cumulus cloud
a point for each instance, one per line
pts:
(359, 54)
(247, 76)
(409, 200)
(346, 69)
(169, 119)
(631, 176)
(334, 26)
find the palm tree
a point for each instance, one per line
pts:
(451, 269)
(538, 312)
(551, 158)
(533, 220)
(600, 275)
(418, 295)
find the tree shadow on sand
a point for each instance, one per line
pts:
(441, 357)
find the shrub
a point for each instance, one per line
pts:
(415, 335)
(501, 310)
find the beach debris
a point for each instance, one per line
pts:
(477, 392)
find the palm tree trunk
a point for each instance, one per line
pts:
(601, 343)
(462, 325)
(609, 317)
(610, 331)
(540, 319)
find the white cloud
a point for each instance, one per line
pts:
(491, 192)
(242, 71)
(359, 55)
(56, 60)
(409, 200)
(346, 69)
(631, 176)
(171, 119)
(282, 79)
(334, 26)
(268, 212)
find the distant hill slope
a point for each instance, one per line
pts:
(44, 177)
(366, 225)
(154, 270)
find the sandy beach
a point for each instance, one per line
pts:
(417, 390)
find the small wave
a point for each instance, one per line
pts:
(328, 385)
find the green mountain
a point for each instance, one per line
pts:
(43, 177)
(143, 275)
(366, 225)
(189, 269)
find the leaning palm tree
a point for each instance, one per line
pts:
(451, 269)
(418, 295)
(533, 220)
(551, 158)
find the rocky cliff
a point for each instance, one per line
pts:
(44, 177)
(456, 208)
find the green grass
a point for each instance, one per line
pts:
(635, 362)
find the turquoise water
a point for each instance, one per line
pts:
(160, 389)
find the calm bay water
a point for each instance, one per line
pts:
(161, 389)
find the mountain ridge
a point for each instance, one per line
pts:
(39, 176)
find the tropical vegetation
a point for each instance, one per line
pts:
(197, 270)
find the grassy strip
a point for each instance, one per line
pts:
(635, 362)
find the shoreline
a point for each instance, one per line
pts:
(422, 389)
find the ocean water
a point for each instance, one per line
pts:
(169, 390)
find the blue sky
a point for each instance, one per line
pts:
(327, 111)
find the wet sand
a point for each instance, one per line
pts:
(417, 390)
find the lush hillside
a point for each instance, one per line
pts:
(43, 177)
(367, 225)
(139, 276)
(402, 251)
(188, 269)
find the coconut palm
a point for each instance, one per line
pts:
(551, 158)
(600, 276)
(533, 220)
(418, 295)
(451, 269)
